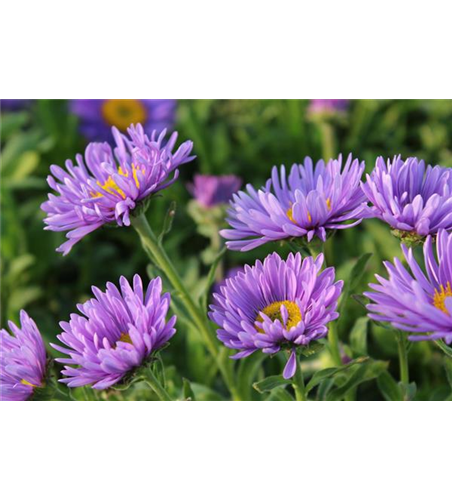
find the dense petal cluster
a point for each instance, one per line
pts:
(97, 116)
(106, 185)
(276, 304)
(327, 105)
(211, 190)
(305, 203)
(22, 360)
(410, 196)
(119, 329)
(417, 301)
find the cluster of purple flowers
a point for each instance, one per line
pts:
(271, 306)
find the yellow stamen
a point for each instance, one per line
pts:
(122, 113)
(289, 212)
(25, 382)
(439, 298)
(125, 337)
(110, 185)
(273, 311)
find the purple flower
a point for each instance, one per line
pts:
(230, 273)
(409, 196)
(110, 186)
(211, 190)
(97, 116)
(14, 104)
(318, 106)
(276, 304)
(119, 329)
(306, 203)
(22, 360)
(415, 300)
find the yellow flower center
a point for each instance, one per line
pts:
(439, 298)
(289, 212)
(121, 113)
(125, 337)
(273, 311)
(25, 382)
(110, 185)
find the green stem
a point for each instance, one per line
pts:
(403, 358)
(155, 385)
(333, 340)
(327, 133)
(158, 255)
(300, 394)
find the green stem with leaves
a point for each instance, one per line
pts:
(157, 254)
(298, 384)
(153, 382)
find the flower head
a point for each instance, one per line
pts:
(318, 106)
(22, 360)
(414, 199)
(119, 329)
(276, 304)
(97, 116)
(212, 190)
(306, 203)
(106, 186)
(414, 300)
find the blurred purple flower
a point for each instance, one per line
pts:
(409, 196)
(276, 304)
(120, 329)
(97, 116)
(306, 203)
(417, 301)
(22, 360)
(111, 186)
(14, 104)
(211, 190)
(328, 105)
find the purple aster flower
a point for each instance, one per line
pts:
(230, 273)
(318, 106)
(306, 203)
(14, 104)
(276, 304)
(118, 331)
(211, 190)
(105, 187)
(97, 116)
(411, 197)
(415, 300)
(22, 360)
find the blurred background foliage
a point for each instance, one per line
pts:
(242, 137)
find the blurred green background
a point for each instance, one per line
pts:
(243, 137)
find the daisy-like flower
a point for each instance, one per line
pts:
(414, 199)
(22, 360)
(97, 116)
(318, 106)
(276, 304)
(212, 190)
(118, 331)
(306, 203)
(414, 300)
(106, 186)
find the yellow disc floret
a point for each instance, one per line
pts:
(122, 113)
(125, 337)
(273, 311)
(439, 298)
(110, 185)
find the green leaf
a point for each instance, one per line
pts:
(448, 367)
(321, 375)
(324, 388)
(408, 391)
(363, 373)
(270, 383)
(388, 387)
(444, 347)
(358, 337)
(358, 271)
(168, 221)
(187, 391)
(280, 394)
(311, 349)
